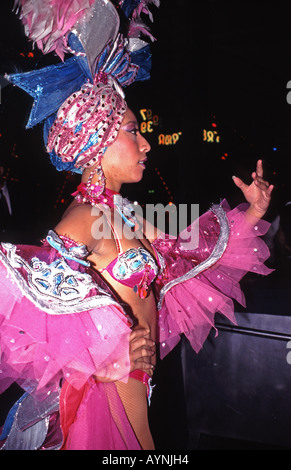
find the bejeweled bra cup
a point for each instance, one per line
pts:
(130, 267)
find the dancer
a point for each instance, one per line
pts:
(82, 313)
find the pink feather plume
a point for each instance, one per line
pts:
(48, 22)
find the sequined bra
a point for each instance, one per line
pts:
(135, 267)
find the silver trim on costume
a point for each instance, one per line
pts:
(216, 254)
(31, 423)
(54, 288)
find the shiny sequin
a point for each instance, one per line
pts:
(132, 261)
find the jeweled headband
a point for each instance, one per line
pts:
(81, 100)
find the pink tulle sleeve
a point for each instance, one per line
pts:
(57, 322)
(203, 268)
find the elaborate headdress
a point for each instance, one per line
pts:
(81, 100)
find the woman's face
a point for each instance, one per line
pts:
(124, 160)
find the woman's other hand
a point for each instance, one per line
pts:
(141, 351)
(258, 193)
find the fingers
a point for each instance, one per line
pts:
(239, 183)
(143, 347)
(257, 194)
(143, 364)
(139, 333)
(259, 181)
(262, 184)
(256, 175)
(259, 169)
(141, 350)
(258, 178)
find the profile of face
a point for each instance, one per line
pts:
(124, 160)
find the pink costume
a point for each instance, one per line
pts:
(61, 326)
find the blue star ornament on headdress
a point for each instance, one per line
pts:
(49, 87)
(95, 42)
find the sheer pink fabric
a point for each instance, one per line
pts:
(40, 348)
(93, 418)
(190, 306)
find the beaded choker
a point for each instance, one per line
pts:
(94, 194)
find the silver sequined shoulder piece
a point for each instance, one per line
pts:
(216, 254)
(55, 288)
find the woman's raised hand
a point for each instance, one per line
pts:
(258, 193)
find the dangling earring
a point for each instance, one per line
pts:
(88, 193)
(95, 190)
